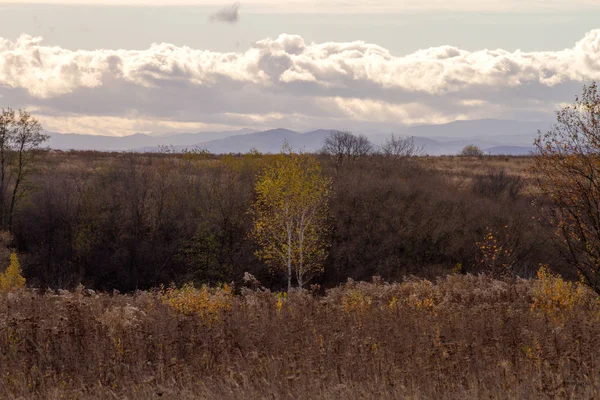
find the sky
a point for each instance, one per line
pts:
(123, 67)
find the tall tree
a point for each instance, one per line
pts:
(567, 167)
(27, 140)
(7, 133)
(290, 216)
(401, 147)
(344, 146)
(20, 138)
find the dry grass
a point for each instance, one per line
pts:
(460, 337)
(462, 170)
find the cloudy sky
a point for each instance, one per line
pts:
(118, 67)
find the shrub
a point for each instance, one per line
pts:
(496, 182)
(13, 278)
(208, 303)
(496, 253)
(551, 293)
(471, 151)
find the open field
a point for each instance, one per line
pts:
(463, 170)
(462, 337)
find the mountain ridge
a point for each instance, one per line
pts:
(450, 138)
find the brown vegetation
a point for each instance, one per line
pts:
(462, 337)
(135, 221)
(568, 170)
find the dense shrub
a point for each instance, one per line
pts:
(496, 183)
(136, 221)
(471, 151)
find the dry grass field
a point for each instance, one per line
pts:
(462, 170)
(460, 337)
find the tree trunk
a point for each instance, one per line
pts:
(13, 200)
(289, 258)
(12, 204)
(3, 185)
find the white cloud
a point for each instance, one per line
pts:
(121, 126)
(286, 81)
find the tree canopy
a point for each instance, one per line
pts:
(290, 216)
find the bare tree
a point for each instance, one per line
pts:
(343, 146)
(20, 138)
(401, 147)
(567, 167)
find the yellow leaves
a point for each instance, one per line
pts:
(496, 255)
(12, 279)
(427, 304)
(281, 300)
(208, 303)
(375, 348)
(290, 213)
(552, 294)
(356, 301)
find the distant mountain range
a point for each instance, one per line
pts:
(494, 136)
(75, 141)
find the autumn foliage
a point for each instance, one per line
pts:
(12, 279)
(568, 169)
(290, 216)
(207, 303)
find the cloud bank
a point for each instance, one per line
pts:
(289, 82)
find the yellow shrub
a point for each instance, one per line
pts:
(551, 292)
(208, 303)
(13, 278)
(496, 254)
(355, 300)
(281, 300)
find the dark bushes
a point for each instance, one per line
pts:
(135, 221)
(496, 183)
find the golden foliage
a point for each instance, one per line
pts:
(356, 300)
(290, 215)
(551, 293)
(495, 253)
(208, 303)
(12, 279)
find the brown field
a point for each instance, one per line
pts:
(462, 170)
(462, 337)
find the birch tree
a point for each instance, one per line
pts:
(290, 216)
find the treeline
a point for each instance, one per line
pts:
(135, 221)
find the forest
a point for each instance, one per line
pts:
(136, 221)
